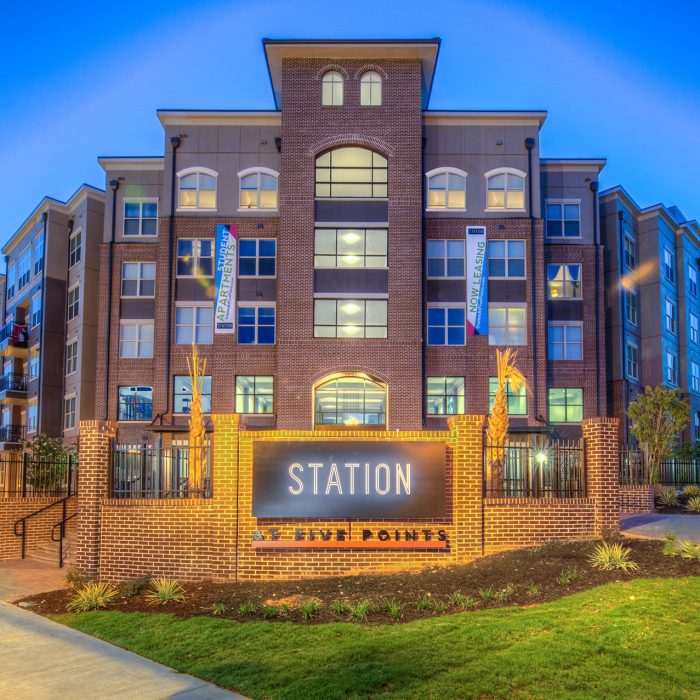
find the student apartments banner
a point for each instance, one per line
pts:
(225, 311)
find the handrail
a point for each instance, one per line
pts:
(23, 521)
(62, 525)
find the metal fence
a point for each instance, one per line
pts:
(549, 470)
(633, 467)
(140, 471)
(22, 475)
(676, 471)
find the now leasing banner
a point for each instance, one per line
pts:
(225, 311)
(477, 318)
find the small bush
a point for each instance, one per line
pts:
(693, 504)
(533, 590)
(361, 610)
(667, 496)
(425, 603)
(92, 596)
(165, 590)
(612, 557)
(487, 593)
(247, 607)
(218, 609)
(504, 595)
(393, 609)
(76, 578)
(309, 608)
(439, 606)
(465, 602)
(569, 576)
(340, 607)
(135, 586)
(669, 549)
(691, 490)
(688, 550)
(270, 612)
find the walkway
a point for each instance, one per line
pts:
(658, 525)
(40, 659)
(24, 577)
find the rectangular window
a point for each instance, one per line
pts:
(692, 281)
(73, 302)
(25, 263)
(350, 247)
(565, 341)
(563, 220)
(136, 339)
(669, 266)
(695, 377)
(446, 325)
(74, 248)
(141, 217)
(445, 396)
(32, 416)
(671, 368)
(257, 257)
(445, 258)
(38, 254)
(69, 413)
(256, 325)
(507, 325)
(564, 281)
(254, 394)
(630, 253)
(135, 403)
(195, 257)
(631, 306)
(71, 357)
(565, 405)
(515, 400)
(11, 276)
(506, 259)
(36, 310)
(671, 322)
(138, 279)
(350, 318)
(182, 395)
(694, 328)
(34, 363)
(194, 324)
(632, 361)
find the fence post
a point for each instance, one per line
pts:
(25, 466)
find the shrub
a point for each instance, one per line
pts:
(688, 550)
(425, 603)
(136, 586)
(92, 596)
(691, 490)
(569, 576)
(465, 602)
(533, 590)
(439, 606)
(504, 595)
(693, 504)
(309, 608)
(165, 590)
(270, 612)
(669, 549)
(487, 593)
(360, 610)
(611, 557)
(667, 496)
(393, 609)
(340, 606)
(75, 577)
(247, 607)
(218, 609)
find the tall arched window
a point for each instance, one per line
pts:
(371, 89)
(351, 172)
(505, 189)
(197, 188)
(447, 188)
(350, 401)
(332, 89)
(258, 188)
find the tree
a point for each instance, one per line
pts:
(47, 467)
(658, 415)
(197, 433)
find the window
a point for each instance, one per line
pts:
(73, 302)
(447, 188)
(195, 257)
(695, 377)
(564, 281)
(332, 89)
(136, 339)
(671, 323)
(71, 357)
(254, 394)
(182, 395)
(256, 325)
(505, 189)
(36, 310)
(258, 188)
(11, 275)
(696, 429)
(69, 413)
(631, 306)
(692, 281)
(694, 335)
(350, 318)
(446, 325)
(632, 361)
(32, 417)
(138, 279)
(141, 217)
(34, 363)
(135, 403)
(565, 405)
(446, 258)
(506, 259)
(194, 324)
(671, 368)
(351, 172)
(371, 89)
(507, 325)
(630, 252)
(256, 257)
(25, 263)
(516, 401)
(74, 248)
(563, 219)
(38, 254)
(197, 188)
(350, 247)
(445, 396)
(669, 266)
(565, 341)
(350, 401)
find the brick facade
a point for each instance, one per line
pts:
(636, 499)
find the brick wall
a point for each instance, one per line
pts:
(602, 466)
(636, 499)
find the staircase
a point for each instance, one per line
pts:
(48, 552)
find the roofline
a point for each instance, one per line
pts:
(645, 212)
(316, 42)
(476, 117)
(219, 117)
(131, 162)
(574, 164)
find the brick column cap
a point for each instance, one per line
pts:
(599, 420)
(107, 426)
(225, 419)
(466, 419)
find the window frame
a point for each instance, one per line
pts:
(692, 280)
(519, 396)
(258, 170)
(141, 201)
(694, 328)
(70, 397)
(562, 203)
(631, 293)
(341, 230)
(34, 363)
(139, 279)
(566, 343)
(508, 306)
(695, 376)
(74, 359)
(328, 78)
(566, 405)
(202, 393)
(75, 248)
(669, 268)
(446, 306)
(445, 259)
(445, 170)
(194, 305)
(630, 241)
(254, 396)
(33, 311)
(670, 320)
(256, 257)
(38, 244)
(349, 299)
(506, 171)
(24, 275)
(506, 259)
(196, 257)
(32, 416)
(366, 79)
(372, 183)
(668, 368)
(351, 426)
(147, 419)
(566, 280)
(256, 305)
(73, 289)
(136, 322)
(198, 170)
(630, 344)
(445, 396)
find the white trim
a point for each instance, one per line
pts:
(446, 169)
(507, 258)
(562, 237)
(562, 201)
(258, 169)
(138, 279)
(257, 303)
(350, 224)
(197, 169)
(131, 163)
(451, 304)
(490, 210)
(506, 171)
(349, 295)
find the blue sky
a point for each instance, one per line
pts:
(82, 79)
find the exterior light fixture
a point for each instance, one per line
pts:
(541, 457)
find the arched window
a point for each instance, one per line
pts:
(197, 188)
(351, 172)
(371, 89)
(505, 189)
(332, 89)
(350, 401)
(447, 188)
(258, 188)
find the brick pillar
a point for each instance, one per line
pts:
(467, 443)
(225, 489)
(602, 466)
(93, 486)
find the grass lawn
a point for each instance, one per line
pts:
(634, 640)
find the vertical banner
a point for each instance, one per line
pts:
(225, 310)
(477, 316)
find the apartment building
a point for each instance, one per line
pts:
(48, 341)
(362, 222)
(652, 258)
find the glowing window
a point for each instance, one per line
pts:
(350, 401)
(505, 189)
(371, 89)
(258, 189)
(197, 188)
(447, 188)
(352, 173)
(332, 89)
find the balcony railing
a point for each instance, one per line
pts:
(15, 334)
(13, 382)
(11, 433)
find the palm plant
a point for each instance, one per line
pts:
(196, 370)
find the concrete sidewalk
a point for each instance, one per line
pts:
(23, 577)
(40, 659)
(658, 525)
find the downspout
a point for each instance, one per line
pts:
(71, 225)
(424, 289)
(42, 350)
(621, 303)
(596, 240)
(114, 185)
(529, 145)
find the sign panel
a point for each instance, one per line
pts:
(347, 479)
(477, 290)
(225, 310)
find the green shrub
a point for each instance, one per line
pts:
(609, 556)
(76, 578)
(218, 609)
(688, 550)
(361, 610)
(669, 549)
(693, 504)
(425, 603)
(270, 612)
(691, 490)
(504, 595)
(465, 602)
(135, 586)
(439, 606)
(667, 496)
(533, 590)
(487, 593)
(165, 590)
(569, 576)
(393, 609)
(340, 606)
(92, 596)
(247, 607)
(309, 608)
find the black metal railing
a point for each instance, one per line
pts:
(13, 382)
(549, 470)
(633, 467)
(677, 471)
(158, 472)
(12, 433)
(24, 476)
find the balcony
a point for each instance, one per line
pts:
(11, 435)
(13, 388)
(14, 340)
